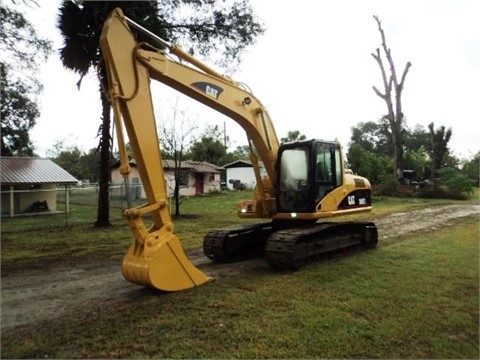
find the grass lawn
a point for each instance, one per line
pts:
(416, 298)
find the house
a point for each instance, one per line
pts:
(196, 177)
(240, 175)
(30, 185)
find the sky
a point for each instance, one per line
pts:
(313, 71)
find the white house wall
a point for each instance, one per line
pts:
(134, 182)
(211, 183)
(246, 175)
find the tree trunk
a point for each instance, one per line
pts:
(103, 210)
(176, 191)
(176, 195)
(395, 114)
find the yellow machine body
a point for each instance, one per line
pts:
(157, 259)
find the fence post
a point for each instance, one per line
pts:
(67, 199)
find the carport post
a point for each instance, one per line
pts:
(12, 202)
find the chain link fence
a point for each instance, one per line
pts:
(29, 209)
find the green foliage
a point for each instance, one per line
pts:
(208, 149)
(438, 146)
(451, 184)
(81, 23)
(199, 26)
(228, 27)
(83, 166)
(211, 148)
(416, 138)
(22, 51)
(18, 114)
(22, 48)
(370, 154)
(418, 161)
(293, 136)
(373, 137)
(367, 164)
(241, 153)
(471, 168)
(456, 181)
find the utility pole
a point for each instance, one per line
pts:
(225, 134)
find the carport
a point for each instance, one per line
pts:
(29, 185)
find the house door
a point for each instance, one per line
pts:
(198, 183)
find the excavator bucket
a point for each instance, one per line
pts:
(163, 266)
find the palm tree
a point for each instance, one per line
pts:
(230, 29)
(81, 25)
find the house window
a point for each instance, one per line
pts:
(183, 177)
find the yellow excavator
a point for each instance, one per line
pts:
(306, 180)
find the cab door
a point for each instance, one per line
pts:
(328, 169)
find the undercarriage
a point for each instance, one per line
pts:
(289, 247)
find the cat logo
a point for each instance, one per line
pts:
(351, 200)
(208, 89)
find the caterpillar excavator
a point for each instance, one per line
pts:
(306, 180)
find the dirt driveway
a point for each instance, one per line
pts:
(31, 296)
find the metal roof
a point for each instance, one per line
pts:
(28, 170)
(241, 164)
(204, 167)
(195, 166)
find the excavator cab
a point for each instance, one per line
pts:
(306, 172)
(311, 179)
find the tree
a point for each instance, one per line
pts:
(415, 138)
(70, 160)
(293, 136)
(22, 51)
(176, 136)
(418, 161)
(365, 163)
(457, 183)
(210, 148)
(83, 166)
(392, 95)
(228, 28)
(438, 147)
(372, 136)
(18, 113)
(80, 24)
(471, 168)
(241, 152)
(91, 162)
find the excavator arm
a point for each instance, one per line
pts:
(156, 258)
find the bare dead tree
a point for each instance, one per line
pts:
(392, 96)
(176, 134)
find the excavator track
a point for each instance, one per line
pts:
(290, 249)
(236, 244)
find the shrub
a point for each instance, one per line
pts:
(456, 181)
(441, 192)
